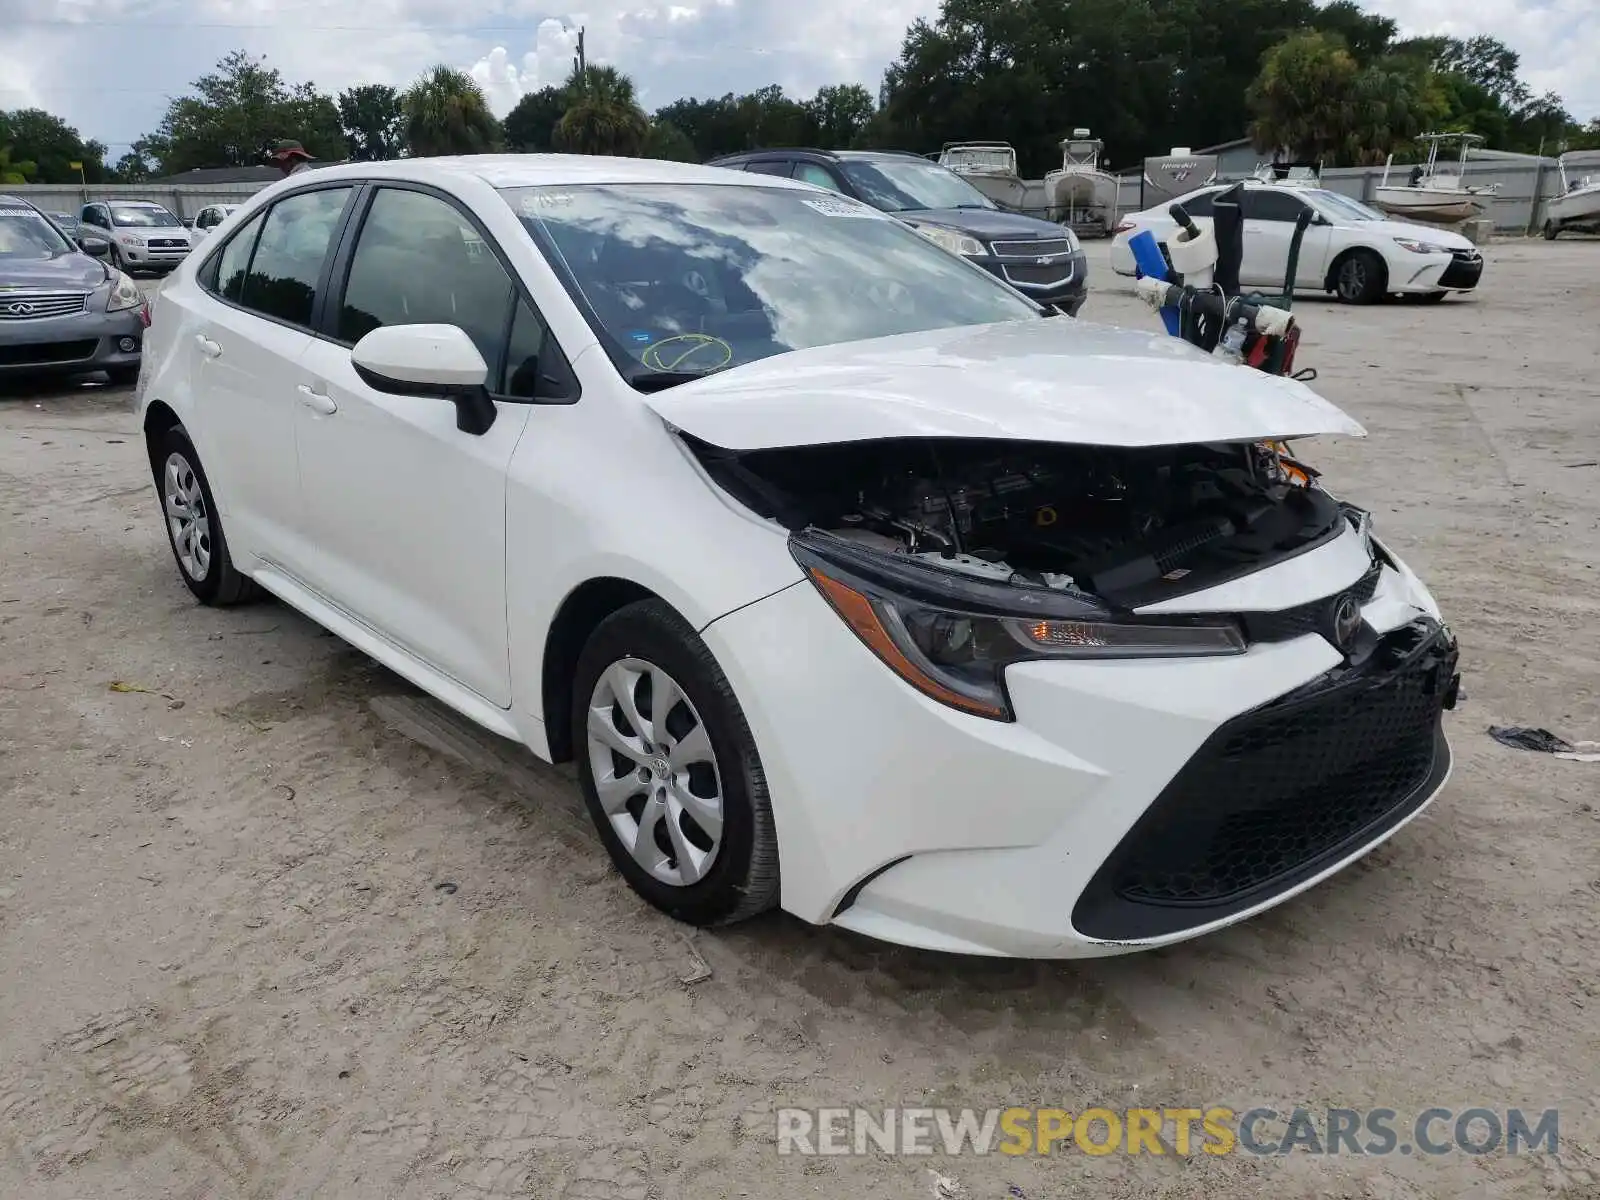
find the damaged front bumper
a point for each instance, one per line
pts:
(1130, 803)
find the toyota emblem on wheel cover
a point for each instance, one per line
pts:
(1344, 621)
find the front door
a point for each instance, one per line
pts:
(408, 511)
(1269, 222)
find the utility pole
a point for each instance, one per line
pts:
(580, 63)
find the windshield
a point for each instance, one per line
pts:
(26, 234)
(906, 185)
(688, 279)
(1343, 207)
(144, 216)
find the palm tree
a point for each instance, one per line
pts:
(14, 172)
(603, 115)
(445, 113)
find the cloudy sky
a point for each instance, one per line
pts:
(108, 66)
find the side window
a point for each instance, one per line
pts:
(234, 261)
(771, 167)
(1272, 206)
(1196, 206)
(807, 172)
(418, 261)
(282, 279)
(206, 219)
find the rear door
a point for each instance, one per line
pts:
(410, 511)
(263, 291)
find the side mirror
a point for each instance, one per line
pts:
(428, 360)
(98, 247)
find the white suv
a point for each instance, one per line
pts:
(852, 579)
(1351, 250)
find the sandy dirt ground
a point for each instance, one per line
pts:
(271, 925)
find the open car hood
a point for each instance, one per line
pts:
(1046, 380)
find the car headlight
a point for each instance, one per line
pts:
(1417, 247)
(952, 636)
(125, 293)
(1073, 245)
(129, 239)
(949, 239)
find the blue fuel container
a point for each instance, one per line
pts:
(1148, 260)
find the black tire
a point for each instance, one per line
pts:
(742, 879)
(220, 584)
(1360, 278)
(1550, 231)
(123, 376)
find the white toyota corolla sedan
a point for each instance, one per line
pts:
(853, 581)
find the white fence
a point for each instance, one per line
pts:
(1517, 208)
(185, 200)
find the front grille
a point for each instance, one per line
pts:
(1039, 276)
(43, 354)
(31, 306)
(167, 243)
(1296, 622)
(1031, 249)
(1464, 271)
(1279, 793)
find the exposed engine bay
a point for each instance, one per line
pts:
(1130, 526)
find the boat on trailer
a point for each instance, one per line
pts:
(1436, 193)
(1577, 207)
(1078, 194)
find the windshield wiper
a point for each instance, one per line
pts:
(655, 381)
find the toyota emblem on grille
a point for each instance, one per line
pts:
(1344, 619)
(19, 308)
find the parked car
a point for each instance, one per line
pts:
(208, 218)
(1349, 249)
(144, 235)
(1037, 257)
(66, 222)
(61, 310)
(852, 580)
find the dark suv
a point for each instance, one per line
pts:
(1040, 259)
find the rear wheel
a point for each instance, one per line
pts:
(194, 527)
(669, 769)
(1359, 278)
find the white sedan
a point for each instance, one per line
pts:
(853, 581)
(209, 217)
(1351, 250)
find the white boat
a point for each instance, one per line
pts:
(1432, 193)
(1081, 195)
(1578, 204)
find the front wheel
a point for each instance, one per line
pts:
(1550, 231)
(669, 769)
(1360, 278)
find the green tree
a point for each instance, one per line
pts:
(446, 113)
(372, 121)
(1304, 100)
(839, 113)
(132, 167)
(236, 113)
(603, 115)
(530, 127)
(52, 146)
(666, 140)
(12, 170)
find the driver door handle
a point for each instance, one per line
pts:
(316, 401)
(207, 347)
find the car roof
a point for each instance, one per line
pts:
(129, 202)
(18, 201)
(533, 170)
(810, 152)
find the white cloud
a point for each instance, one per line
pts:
(504, 82)
(108, 66)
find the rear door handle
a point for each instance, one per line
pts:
(207, 347)
(316, 401)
